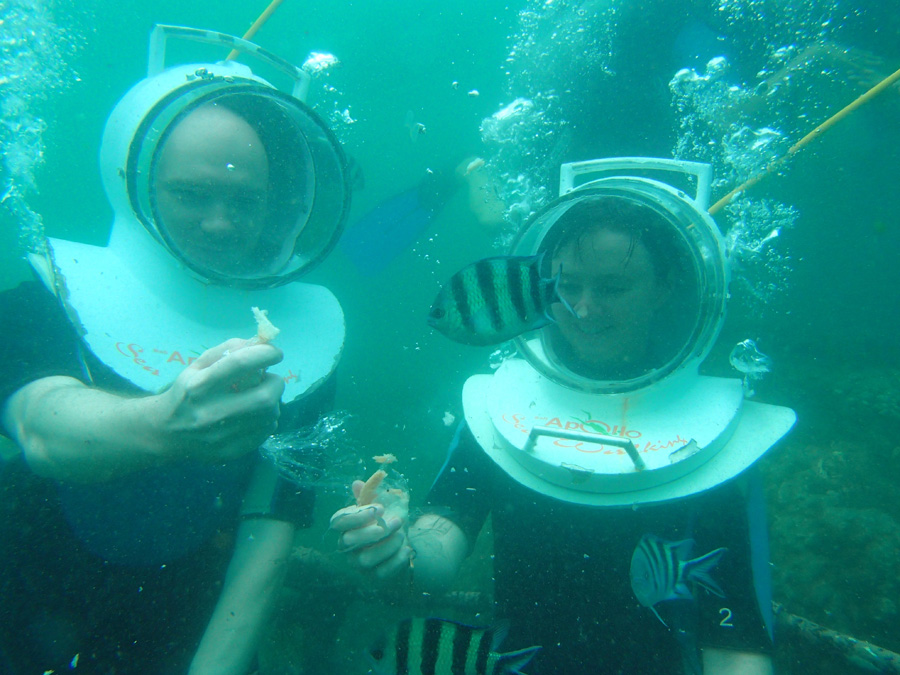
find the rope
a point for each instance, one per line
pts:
(856, 652)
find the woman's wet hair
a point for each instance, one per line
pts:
(670, 258)
(617, 214)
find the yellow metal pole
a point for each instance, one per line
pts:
(815, 133)
(267, 12)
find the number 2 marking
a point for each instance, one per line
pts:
(726, 620)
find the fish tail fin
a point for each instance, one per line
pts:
(551, 295)
(512, 662)
(698, 571)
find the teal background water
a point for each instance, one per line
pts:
(831, 326)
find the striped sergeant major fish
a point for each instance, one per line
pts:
(441, 647)
(661, 570)
(494, 300)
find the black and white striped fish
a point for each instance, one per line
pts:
(661, 570)
(494, 300)
(441, 647)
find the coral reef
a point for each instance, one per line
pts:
(833, 501)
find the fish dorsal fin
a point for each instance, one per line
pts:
(499, 631)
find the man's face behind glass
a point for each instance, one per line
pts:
(212, 190)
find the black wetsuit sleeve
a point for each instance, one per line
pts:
(463, 490)
(742, 620)
(37, 339)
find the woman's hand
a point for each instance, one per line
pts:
(374, 536)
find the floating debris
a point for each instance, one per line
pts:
(415, 128)
(685, 451)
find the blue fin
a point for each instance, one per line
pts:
(394, 225)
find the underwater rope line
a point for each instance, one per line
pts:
(267, 12)
(815, 133)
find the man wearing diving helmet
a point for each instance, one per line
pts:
(138, 488)
(627, 535)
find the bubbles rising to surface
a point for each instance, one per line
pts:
(717, 126)
(557, 48)
(506, 351)
(317, 456)
(740, 123)
(33, 50)
(762, 268)
(748, 360)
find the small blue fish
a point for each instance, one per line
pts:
(494, 300)
(440, 647)
(661, 570)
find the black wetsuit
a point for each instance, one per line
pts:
(561, 570)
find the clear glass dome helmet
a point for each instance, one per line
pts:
(645, 273)
(288, 196)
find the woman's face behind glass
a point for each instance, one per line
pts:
(610, 281)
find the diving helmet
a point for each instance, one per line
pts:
(284, 179)
(654, 293)
(209, 140)
(605, 405)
